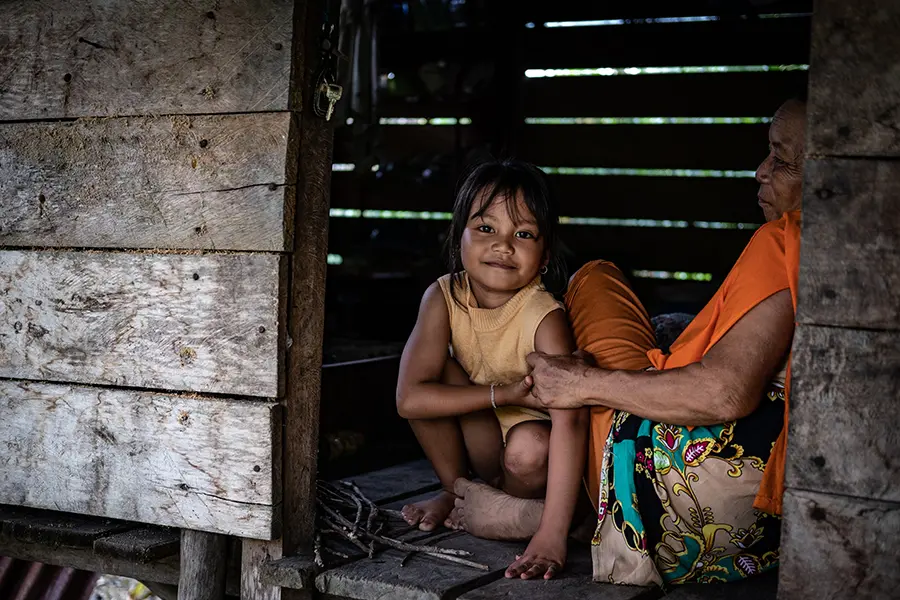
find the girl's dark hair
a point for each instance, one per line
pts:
(505, 179)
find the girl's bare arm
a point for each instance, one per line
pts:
(420, 395)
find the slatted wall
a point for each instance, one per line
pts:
(144, 189)
(654, 171)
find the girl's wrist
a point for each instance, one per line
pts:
(498, 398)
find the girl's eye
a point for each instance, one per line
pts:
(525, 235)
(485, 229)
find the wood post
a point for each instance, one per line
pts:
(841, 533)
(203, 565)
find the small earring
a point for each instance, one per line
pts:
(543, 270)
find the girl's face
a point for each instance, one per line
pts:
(499, 253)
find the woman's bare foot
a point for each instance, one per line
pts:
(488, 513)
(428, 514)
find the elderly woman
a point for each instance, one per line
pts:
(697, 501)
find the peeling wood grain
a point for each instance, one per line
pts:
(843, 434)
(198, 463)
(204, 323)
(834, 547)
(159, 182)
(850, 250)
(108, 58)
(256, 555)
(854, 81)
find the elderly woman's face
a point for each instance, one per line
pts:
(780, 176)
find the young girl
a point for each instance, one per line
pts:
(492, 310)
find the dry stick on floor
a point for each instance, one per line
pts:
(317, 551)
(342, 526)
(448, 554)
(373, 510)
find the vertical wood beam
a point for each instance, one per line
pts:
(310, 166)
(203, 565)
(841, 535)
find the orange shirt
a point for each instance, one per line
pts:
(769, 264)
(610, 322)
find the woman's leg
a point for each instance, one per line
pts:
(450, 444)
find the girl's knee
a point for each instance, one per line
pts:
(527, 450)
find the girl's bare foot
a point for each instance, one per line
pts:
(488, 513)
(428, 514)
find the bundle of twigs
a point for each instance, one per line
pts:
(346, 512)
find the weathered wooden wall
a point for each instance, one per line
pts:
(148, 177)
(842, 505)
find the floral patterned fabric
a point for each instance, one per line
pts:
(676, 504)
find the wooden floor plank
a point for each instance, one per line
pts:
(394, 483)
(423, 577)
(574, 582)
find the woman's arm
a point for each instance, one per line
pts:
(726, 384)
(546, 553)
(420, 395)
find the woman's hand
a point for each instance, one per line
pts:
(557, 379)
(544, 557)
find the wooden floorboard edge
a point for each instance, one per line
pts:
(294, 572)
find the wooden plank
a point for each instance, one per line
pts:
(538, 11)
(679, 44)
(157, 182)
(55, 528)
(854, 86)
(207, 323)
(676, 198)
(404, 143)
(837, 547)
(100, 58)
(700, 95)
(395, 483)
(199, 463)
(845, 381)
(739, 147)
(144, 544)
(294, 572)
(574, 582)
(423, 577)
(163, 571)
(202, 572)
(256, 555)
(760, 587)
(850, 261)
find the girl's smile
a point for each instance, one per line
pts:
(502, 249)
